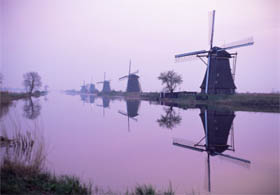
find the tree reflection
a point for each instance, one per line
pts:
(170, 120)
(4, 109)
(31, 109)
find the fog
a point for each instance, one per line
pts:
(69, 41)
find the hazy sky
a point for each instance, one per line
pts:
(68, 41)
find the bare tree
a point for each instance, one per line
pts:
(171, 79)
(32, 81)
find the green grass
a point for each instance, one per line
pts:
(255, 102)
(24, 179)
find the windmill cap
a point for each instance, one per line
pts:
(220, 53)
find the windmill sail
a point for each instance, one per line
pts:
(211, 28)
(242, 43)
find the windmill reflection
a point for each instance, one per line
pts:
(132, 107)
(217, 126)
(171, 119)
(31, 109)
(105, 103)
(87, 98)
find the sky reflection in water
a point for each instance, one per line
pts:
(118, 144)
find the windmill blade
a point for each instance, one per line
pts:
(135, 119)
(207, 174)
(135, 72)
(232, 157)
(242, 43)
(123, 113)
(186, 59)
(190, 54)
(129, 67)
(211, 28)
(123, 77)
(178, 142)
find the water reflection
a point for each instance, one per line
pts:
(217, 125)
(31, 108)
(171, 119)
(132, 107)
(105, 103)
(87, 98)
(4, 109)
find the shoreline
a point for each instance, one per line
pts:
(248, 102)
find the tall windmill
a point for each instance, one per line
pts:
(133, 84)
(218, 78)
(106, 84)
(217, 126)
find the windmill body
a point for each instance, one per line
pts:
(106, 85)
(133, 84)
(218, 77)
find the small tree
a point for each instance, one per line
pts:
(31, 81)
(171, 79)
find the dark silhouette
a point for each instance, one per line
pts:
(133, 84)
(217, 126)
(218, 78)
(106, 85)
(31, 109)
(32, 81)
(86, 98)
(132, 108)
(171, 79)
(170, 120)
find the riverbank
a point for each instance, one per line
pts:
(251, 102)
(8, 97)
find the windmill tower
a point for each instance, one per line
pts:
(218, 78)
(217, 126)
(106, 85)
(133, 84)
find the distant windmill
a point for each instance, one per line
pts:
(106, 84)
(132, 107)
(218, 78)
(217, 127)
(133, 84)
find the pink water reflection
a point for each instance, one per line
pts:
(95, 144)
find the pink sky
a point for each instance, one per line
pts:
(69, 41)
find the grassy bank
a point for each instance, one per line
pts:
(17, 178)
(255, 102)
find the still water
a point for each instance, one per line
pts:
(117, 144)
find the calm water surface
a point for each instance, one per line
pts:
(118, 144)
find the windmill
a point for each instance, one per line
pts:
(132, 107)
(133, 84)
(217, 126)
(106, 85)
(218, 78)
